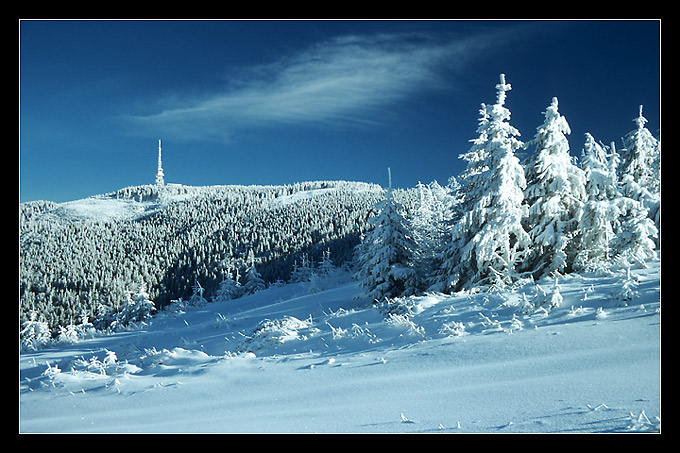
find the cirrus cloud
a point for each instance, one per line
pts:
(343, 81)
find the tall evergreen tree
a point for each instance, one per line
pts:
(555, 193)
(252, 280)
(640, 158)
(385, 257)
(489, 240)
(229, 288)
(598, 218)
(640, 169)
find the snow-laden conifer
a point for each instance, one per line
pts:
(302, 271)
(555, 193)
(640, 168)
(386, 253)
(640, 157)
(430, 223)
(252, 280)
(489, 240)
(326, 266)
(229, 288)
(197, 299)
(634, 242)
(140, 307)
(598, 218)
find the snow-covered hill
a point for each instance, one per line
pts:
(313, 358)
(78, 255)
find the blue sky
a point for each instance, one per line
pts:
(281, 101)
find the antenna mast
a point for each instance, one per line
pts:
(159, 174)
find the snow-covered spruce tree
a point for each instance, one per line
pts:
(640, 157)
(470, 190)
(385, 255)
(598, 218)
(139, 307)
(640, 168)
(252, 280)
(326, 266)
(302, 272)
(229, 288)
(554, 194)
(633, 243)
(197, 299)
(430, 223)
(489, 240)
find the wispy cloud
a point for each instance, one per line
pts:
(342, 81)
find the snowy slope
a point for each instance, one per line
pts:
(288, 359)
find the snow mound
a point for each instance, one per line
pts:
(277, 332)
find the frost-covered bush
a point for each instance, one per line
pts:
(403, 321)
(35, 334)
(628, 289)
(394, 306)
(452, 329)
(134, 309)
(277, 332)
(74, 333)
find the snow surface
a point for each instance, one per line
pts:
(290, 360)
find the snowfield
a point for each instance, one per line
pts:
(299, 358)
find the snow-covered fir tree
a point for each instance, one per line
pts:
(197, 299)
(229, 288)
(634, 242)
(470, 189)
(430, 223)
(640, 168)
(598, 218)
(489, 240)
(326, 266)
(302, 271)
(640, 157)
(554, 195)
(140, 307)
(385, 258)
(252, 280)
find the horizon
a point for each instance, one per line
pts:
(274, 102)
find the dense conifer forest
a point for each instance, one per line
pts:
(168, 238)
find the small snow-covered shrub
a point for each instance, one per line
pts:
(35, 334)
(403, 321)
(94, 365)
(516, 323)
(74, 333)
(522, 306)
(338, 332)
(452, 329)
(628, 290)
(490, 324)
(51, 371)
(277, 332)
(394, 306)
(600, 314)
(642, 423)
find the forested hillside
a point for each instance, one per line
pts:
(78, 258)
